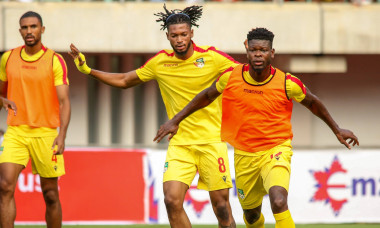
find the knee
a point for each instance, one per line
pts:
(221, 210)
(251, 216)
(279, 204)
(51, 197)
(173, 203)
(7, 187)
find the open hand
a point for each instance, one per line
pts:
(167, 128)
(75, 54)
(79, 60)
(343, 135)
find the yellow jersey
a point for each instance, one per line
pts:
(180, 81)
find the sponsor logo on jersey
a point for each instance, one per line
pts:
(170, 64)
(253, 91)
(29, 67)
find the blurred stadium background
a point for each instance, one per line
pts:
(113, 167)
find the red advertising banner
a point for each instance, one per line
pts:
(99, 185)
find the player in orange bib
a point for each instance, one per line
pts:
(37, 101)
(257, 107)
(181, 74)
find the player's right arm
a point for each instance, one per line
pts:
(200, 101)
(4, 102)
(120, 80)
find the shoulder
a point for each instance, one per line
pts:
(216, 53)
(291, 78)
(58, 57)
(206, 49)
(163, 54)
(6, 55)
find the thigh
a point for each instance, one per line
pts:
(180, 165)
(213, 166)
(277, 171)
(44, 162)
(249, 183)
(278, 176)
(14, 149)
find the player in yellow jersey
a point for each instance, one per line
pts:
(182, 73)
(257, 107)
(37, 101)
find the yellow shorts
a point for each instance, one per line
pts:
(210, 160)
(256, 173)
(17, 149)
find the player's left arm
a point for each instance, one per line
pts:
(64, 115)
(61, 83)
(315, 105)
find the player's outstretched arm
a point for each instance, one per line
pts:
(4, 102)
(119, 80)
(200, 101)
(315, 105)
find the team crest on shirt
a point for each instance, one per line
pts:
(199, 63)
(241, 193)
(166, 166)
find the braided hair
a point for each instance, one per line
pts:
(260, 34)
(190, 15)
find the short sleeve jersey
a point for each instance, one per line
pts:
(295, 89)
(180, 81)
(60, 78)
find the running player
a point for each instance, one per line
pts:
(257, 108)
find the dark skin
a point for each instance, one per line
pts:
(179, 36)
(31, 31)
(260, 55)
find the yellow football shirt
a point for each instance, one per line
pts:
(60, 78)
(180, 81)
(295, 89)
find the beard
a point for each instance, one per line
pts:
(182, 53)
(259, 69)
(31, 43)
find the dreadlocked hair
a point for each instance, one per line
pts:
(189, 15)
(260, 34)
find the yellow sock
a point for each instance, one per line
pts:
(284, 220)
(258, 224)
